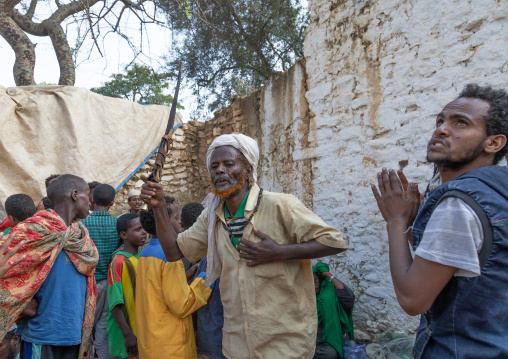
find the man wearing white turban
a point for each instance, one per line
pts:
(260, 243)
(134, 201)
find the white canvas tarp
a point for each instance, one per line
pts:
(61, 129)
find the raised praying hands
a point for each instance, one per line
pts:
(397, 200)
(263, 252)
(5, 262)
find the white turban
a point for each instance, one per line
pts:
(246, 145)
(249, 148)
(134, 192)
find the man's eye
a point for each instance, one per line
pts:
(439, 123)
(462, 123)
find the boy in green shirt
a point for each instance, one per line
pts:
(121, 288)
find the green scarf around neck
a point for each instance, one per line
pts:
(336, 321)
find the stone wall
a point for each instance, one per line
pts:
(374, 76)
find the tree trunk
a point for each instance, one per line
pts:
(23, 48)
(63, 52)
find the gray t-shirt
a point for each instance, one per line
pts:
(453, 237)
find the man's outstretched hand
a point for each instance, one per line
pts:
(5, 258)
(262, 252)
(152, 193)
(396, 203)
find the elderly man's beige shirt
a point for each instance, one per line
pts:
(269, 309)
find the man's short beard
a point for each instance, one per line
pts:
(230, 191)
(469, 156)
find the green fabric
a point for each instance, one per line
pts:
(336, 321)
(101, 226)
(116, 296)
(240, 213)
(116, 342)
(7, 230)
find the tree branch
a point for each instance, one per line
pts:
(87, 9)
(71, 8)
(206, 82)
(31, 9)
(62, 51)
(252, 46)
(27, 25)
(23, 49)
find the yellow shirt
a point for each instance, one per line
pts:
(269, 309)
(164, 302)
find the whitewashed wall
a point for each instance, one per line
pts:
(377, 75)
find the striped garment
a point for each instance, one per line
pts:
(121, 291)
(237, 224)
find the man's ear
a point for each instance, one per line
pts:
(123, 235)
(12, 218)
(74, 195)
(112, 203)
(249, 169)
(495, 143)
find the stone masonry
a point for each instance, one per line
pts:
(365, 95)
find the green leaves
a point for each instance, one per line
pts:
(139, 84)
(231, 47)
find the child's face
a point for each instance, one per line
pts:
(135, 234)
(174, 219)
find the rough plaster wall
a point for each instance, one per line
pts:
(378, 73)
(285, 165)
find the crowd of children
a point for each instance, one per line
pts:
(143, 304)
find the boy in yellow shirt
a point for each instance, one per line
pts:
(164, 300)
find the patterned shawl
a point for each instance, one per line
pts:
(46, 235)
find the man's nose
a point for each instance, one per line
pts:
(220, 169)
(442, 130)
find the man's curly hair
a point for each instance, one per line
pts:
(497, 116)
(147, 218)
(190, 213)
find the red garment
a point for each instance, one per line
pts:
(6, 224)
(46, 235)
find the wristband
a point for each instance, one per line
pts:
(332, 277)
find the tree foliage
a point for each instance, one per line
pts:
(231, 47)
(138, 84)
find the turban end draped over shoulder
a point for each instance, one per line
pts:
(249, 148)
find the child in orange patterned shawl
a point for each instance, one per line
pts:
(46, 235)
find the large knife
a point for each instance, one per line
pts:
(166, 140)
